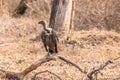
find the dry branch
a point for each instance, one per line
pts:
(73, 64)
(116, 58)
(20, 76)
(37, 64)
(93, 71)
(45, 72)
(11, 75)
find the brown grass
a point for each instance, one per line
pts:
(101, 14)
(35, 8)
(17, 52)
(89, 14)
(93, 46)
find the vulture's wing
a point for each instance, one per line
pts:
(56, 39)
(43, 36)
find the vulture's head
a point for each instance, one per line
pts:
(43, 22)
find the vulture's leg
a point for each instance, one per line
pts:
(49, 52)
(56, 50)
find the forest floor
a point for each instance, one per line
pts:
(92, 48)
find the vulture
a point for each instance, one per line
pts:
(49, 38)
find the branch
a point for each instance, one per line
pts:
(101, 67)
(10, 75)
(45, 72)
(37, 64)
(73, 64)
(19, 76)
(116, 58)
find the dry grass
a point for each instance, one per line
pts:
(101, 14)
(89, 14)
(93, 46)
(17, 52)
(35, 8)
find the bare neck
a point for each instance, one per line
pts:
(45, 26)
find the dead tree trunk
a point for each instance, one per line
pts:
(61, 15)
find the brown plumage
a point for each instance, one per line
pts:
(49, 38)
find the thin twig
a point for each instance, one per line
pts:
(45, 72)
(116, 58)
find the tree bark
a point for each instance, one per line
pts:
(61, 15)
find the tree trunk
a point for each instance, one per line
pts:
(61, 15)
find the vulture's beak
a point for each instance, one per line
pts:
(39, 22)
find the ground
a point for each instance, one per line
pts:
(91, 48)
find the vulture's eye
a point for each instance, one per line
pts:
(48, 31)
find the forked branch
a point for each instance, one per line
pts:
(20, 76)
(93, 71)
